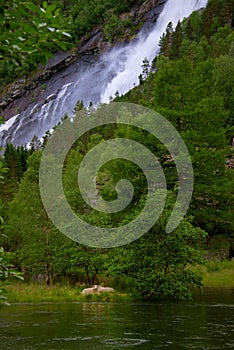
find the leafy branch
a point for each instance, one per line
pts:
(30, 35)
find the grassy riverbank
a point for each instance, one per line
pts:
(214, 274)
(20, 292)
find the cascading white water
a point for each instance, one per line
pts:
(117, 70)
(173, 11)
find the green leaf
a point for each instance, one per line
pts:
(61, 45)
(32, 7)
(44, 4)
(28, 29)
(49, 11)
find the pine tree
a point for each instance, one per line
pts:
(176, 41)
(145, 68)
(165, 40)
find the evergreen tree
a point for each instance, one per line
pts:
(165, 40)
(145, 68)
(15, 159)
(176, 41)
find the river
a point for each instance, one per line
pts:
(205, 323)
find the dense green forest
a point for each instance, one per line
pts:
(191, 83)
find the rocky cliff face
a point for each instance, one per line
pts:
(16, 96)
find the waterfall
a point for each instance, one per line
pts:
(117, 70)
(173, 11)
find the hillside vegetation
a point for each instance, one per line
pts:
(191, 83)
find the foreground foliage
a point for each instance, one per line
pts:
(7, 274)
(30, 34)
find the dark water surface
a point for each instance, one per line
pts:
(205, 323)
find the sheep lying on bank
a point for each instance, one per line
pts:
(97, 289)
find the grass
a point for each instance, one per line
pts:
(216, 273)
(21, 292)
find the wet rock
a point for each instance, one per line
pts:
(143, 12)
(92, 43)
(17, 92)
(148, 13)
(50, 98)
(3, 103)
(57, 59)
(103, 46)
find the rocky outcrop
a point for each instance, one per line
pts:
(20, 87)
(147, 12)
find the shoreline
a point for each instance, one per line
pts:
(215, 274)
